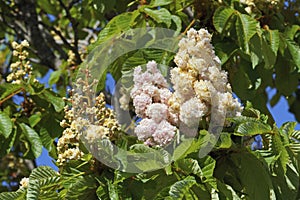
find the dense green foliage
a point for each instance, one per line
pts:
(258, 47)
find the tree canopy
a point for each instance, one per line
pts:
(212, 51)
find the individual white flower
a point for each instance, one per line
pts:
(141, 102)
(157, 112)
(25, 43)
(164, 133)
(94, 132)
(145, 129)
(24, 182)
(182, 84)
(203, 90)
(191, 112)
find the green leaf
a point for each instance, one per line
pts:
(294, 50)
(156, 3)
(278, 148)
(181, 188)
(222, 18)
(177, 22)
(189, 166)
(117, 25)
(113, 190)
(245, 29)
(57, 102)
(268, 54)
(47, 141)
(252, 128)
(290, 32)
(17, 195)
(160, 16)
(35, 119)
(286, 80)
(208, 165)
(273, 40)
(10, 89)
(54, 77)
(250, 171)
(225, 141)
(82, 188)
(5, 125)
(40, 178)
(256, 50)
(33, 138)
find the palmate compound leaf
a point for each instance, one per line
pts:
(42, 182)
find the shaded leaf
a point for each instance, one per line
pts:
(33, 138)
(245, 29)
(5, 125)
(222, 18)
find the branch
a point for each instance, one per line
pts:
(74, 25)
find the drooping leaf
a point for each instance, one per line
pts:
(273, 40)
(294, 50)
(57, 102)
(245, 29)
(33, 138)
(268, 54)
(160, 16)
(5, 125)
(222, 17)
(181, 188)
(250, 171)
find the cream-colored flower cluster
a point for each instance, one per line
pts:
(21, 68)
(199, 84)
(87, 119)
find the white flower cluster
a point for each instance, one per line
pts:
(197, 81)
(22, 67)
(88, 119)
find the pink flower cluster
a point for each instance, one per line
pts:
(150, 99)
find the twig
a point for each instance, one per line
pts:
(11, 95)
